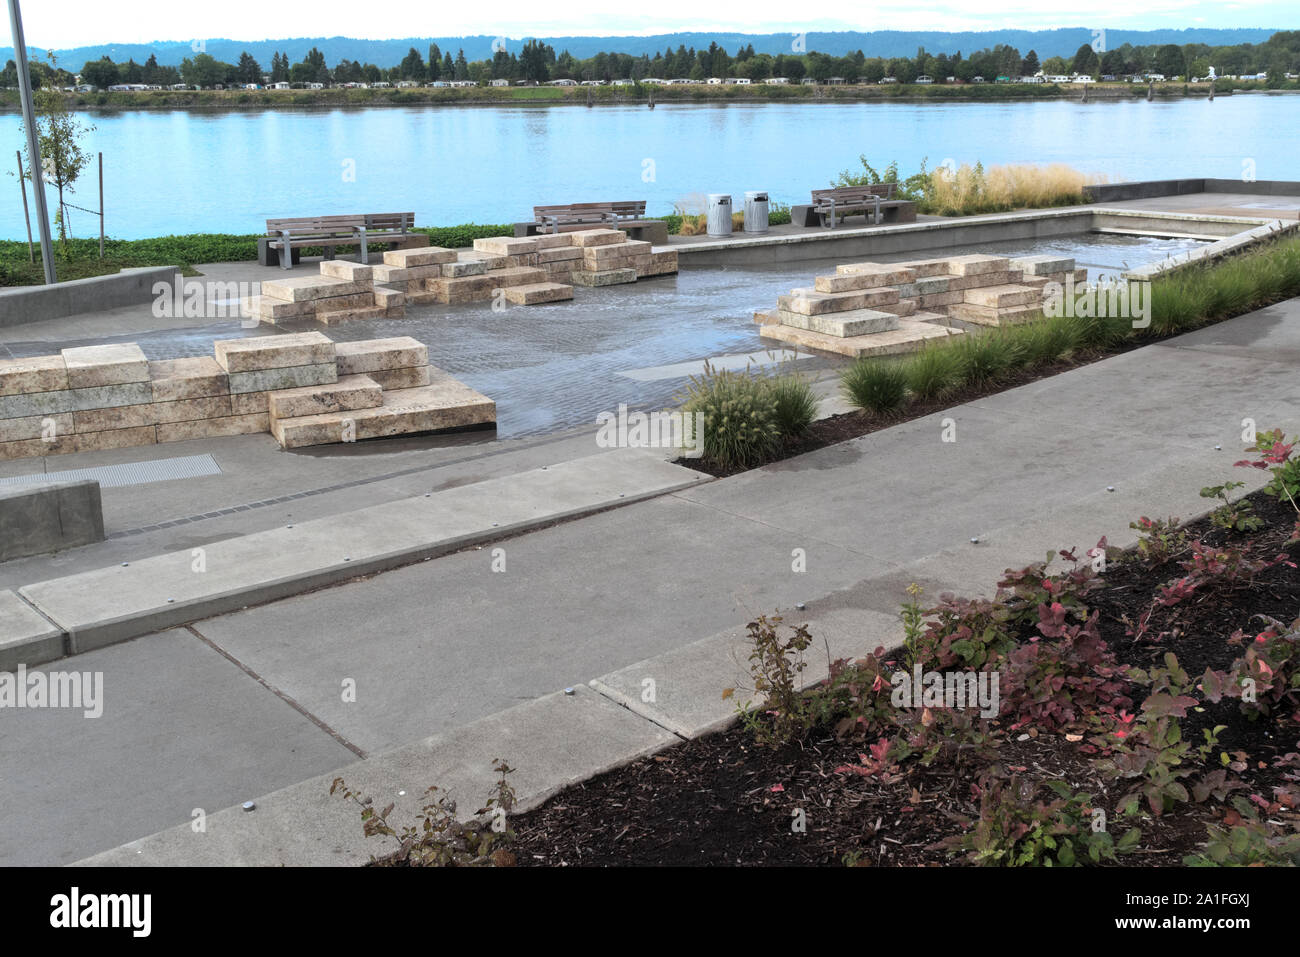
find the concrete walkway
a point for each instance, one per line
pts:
(252, 702)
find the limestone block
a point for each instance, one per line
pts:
(559, 254)
(428, 256)
(377, 355)
(1043, 265)
(39, 374)
(93, 366)
(387, 297)
(810, 302)
(535, 293)
(908, 337)
(390, 275)
(1001, 297)
(597, 237)
(515, 276)
(925, 268)
(977, 264)
(505, 246)
(332, 317)
(115, 439)
(472, 267)
(36, 427)
(105, 420)
(304, 288)
(604, 277)
(983, 279)
(273, 352)
(250, 403)
(410, 378)
(343, 269)
(859, 322)
(189, 378)
(348, 393)
(185, 410)
(111, 396)
(550, 241)
(489, 259)
(27, 404)
(214, 428)
(272, 380)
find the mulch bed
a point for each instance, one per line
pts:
(723, 799)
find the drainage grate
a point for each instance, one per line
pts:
(131, 473)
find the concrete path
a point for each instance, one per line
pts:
(435, 647)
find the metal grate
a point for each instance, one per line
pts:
(130, 473)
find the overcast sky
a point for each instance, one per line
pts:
(69, 23)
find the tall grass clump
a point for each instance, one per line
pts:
(1047, 340)
(794, 406)
(986, 357)
(876, 385)
(973, 189)
(933, 372)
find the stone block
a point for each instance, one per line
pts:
(536, 293)
(549, 241)
(908, 337)
(410, 378)
(214, 428)
(926, 268)
(471, 267)
(1043, 265)
(189, 378)
(939, 299)
(505, 246)
(273, 380)
(1001, 297)
(444, 404)
(115, 364)
(979, 280)
(106, 420)
(36, 520)
(859, 322)
(809, 302)
(465, 289)
(515, 276)
(603, 277)
(114, 439)
(377, 355)
(863, 276)
(186, 410)
(489, 259)
(36, 427)
(413, 258)
(273, 352)
(249, 403)
(111, 396)
(597, 237)
(390, 275)
(347, 394)
(977, 264)
(39, 374)
(343, 269)
(305, 288)
(25, 405)
(387, 297)
(332, 317)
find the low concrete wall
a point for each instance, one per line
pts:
(848, 244)
(24, 304)
(35, 520)
(1148, 189)
(1217, 250)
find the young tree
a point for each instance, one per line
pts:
(59, 135)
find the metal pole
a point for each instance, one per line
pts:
(33, 141)
(27, 218)
(101, 205)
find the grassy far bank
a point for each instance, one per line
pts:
(577, 96)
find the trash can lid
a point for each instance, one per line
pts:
(757, 194)
(719, 198)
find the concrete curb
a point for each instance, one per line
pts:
(26, 637)
(113, 604)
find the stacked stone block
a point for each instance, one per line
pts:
(111, 396)
(889, 308)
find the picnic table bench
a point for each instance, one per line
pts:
(330, 232)
(628, 215)
(876, 201)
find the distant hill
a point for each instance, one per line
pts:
(884, 43)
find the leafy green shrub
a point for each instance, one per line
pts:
(876, 385)
(775, 666)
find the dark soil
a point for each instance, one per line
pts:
(723, 799)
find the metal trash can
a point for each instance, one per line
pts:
(756, 212)
(719, 218)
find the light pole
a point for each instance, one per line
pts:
(33, 140)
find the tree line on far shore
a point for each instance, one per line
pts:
(537, 62)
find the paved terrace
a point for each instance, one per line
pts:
(242, 704)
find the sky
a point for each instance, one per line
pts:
(68, 23)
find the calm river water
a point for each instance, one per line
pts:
(183, 171)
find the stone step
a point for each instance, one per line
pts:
(411, 258)
(596, 237)
(851, 276)
(331, 317)
(345, 269)
(379, 355)
(987, 316)
(603, 277)
(538, 292)
(925, 268)
(505, 246)
(908, 337)
(348, 394)
(977, 264)
(1001, 297)
(810, 302)
(515, 276)
(443, 404)
(189, 378)
(468, 267)
(858, 322)
(257, 353)
(113, 364)
(303, 288)
(1043, 265)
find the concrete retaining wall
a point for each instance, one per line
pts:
(24, 304)
(1147, 189)
(35, 520)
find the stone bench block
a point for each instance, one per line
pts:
(273, 352)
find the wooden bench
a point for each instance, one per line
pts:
(330, 232)
(874, 201)
(628, 215)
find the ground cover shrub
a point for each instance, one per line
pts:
(776, 662)
(876, 385)
(438, 838)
